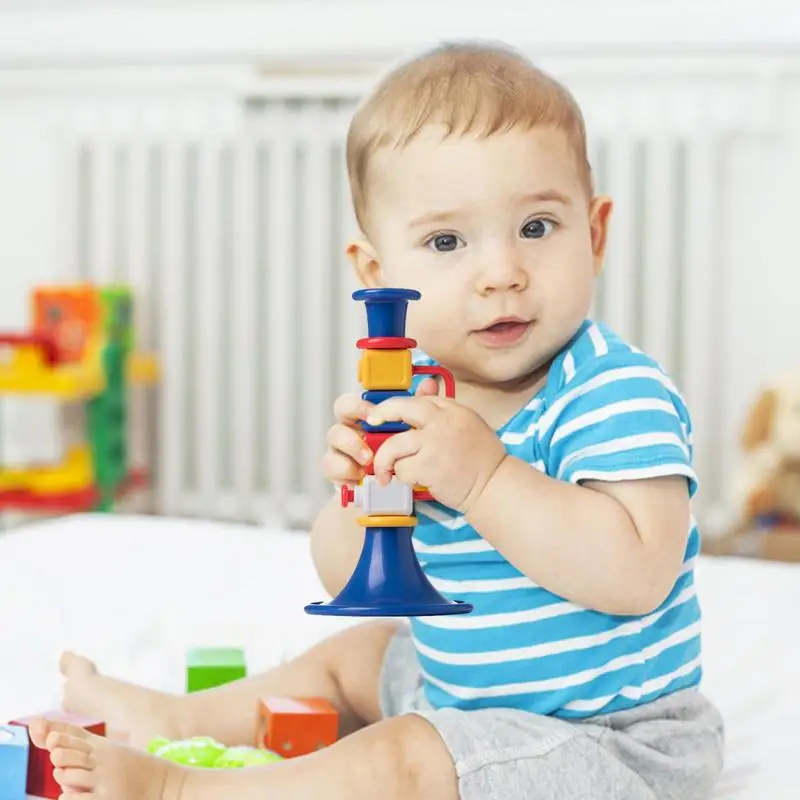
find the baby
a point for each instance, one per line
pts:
(562, 477)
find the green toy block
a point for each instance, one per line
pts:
(208, 667)
(117, 305)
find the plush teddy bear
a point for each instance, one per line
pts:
(769, 484)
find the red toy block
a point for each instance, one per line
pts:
(41, 782)
(374, 441)
(296, 726)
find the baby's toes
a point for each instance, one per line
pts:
(73, 759)
(64, 757)
(39, 729)
(74, 779)
(67, 739)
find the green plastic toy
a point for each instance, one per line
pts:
(238, 757)
(209, 667)
(200, 751)
(205, 752)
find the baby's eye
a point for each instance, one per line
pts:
(537, 228)
(444, 242)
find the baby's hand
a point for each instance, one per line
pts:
(347, 453)
(450, 449)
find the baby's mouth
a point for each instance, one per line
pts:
(504, 332)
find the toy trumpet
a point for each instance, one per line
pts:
(388, 579)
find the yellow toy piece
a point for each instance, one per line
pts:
(142, 369)
(73, 475)
(385, 370)
(27, 372)
(387, 521)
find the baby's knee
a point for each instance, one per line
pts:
(354, 661)
(415, 756)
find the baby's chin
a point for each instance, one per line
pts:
(504, 372)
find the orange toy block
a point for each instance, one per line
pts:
(70, 315)
(41, 782)
(296, 726)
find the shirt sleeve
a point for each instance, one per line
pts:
(619, 418)
(419, 359)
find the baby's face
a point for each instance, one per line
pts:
(500, 238)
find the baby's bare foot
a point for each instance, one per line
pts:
(76, 665)
(93, 767)
(80, 692)
(132, 713)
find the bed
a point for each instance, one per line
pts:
(134, 592)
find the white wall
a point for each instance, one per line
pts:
(120, 31)
(762, 275)
(761, 280)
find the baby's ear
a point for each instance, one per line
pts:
(758, 425)
(364, 259)
(599, 220)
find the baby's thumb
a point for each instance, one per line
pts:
(427, 387)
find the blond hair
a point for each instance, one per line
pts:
(474, 88)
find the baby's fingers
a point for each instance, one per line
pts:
(349, 442)
(339, 468)
(427, 388)
(350, 408)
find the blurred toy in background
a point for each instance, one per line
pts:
(80, 351)
(768, 485)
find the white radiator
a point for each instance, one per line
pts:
(232, 234)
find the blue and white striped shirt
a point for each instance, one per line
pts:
(606, 412)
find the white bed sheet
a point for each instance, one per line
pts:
(135, 592)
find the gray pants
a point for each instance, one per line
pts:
(670, 749)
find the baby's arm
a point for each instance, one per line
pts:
(605, 519)
(613, 547)
(336, 543)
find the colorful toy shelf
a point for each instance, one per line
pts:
(80, 349)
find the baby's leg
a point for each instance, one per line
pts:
(398, 759)
(343, 669)
(129, 711)
(670, 748)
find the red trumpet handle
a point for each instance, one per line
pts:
(444, 374)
